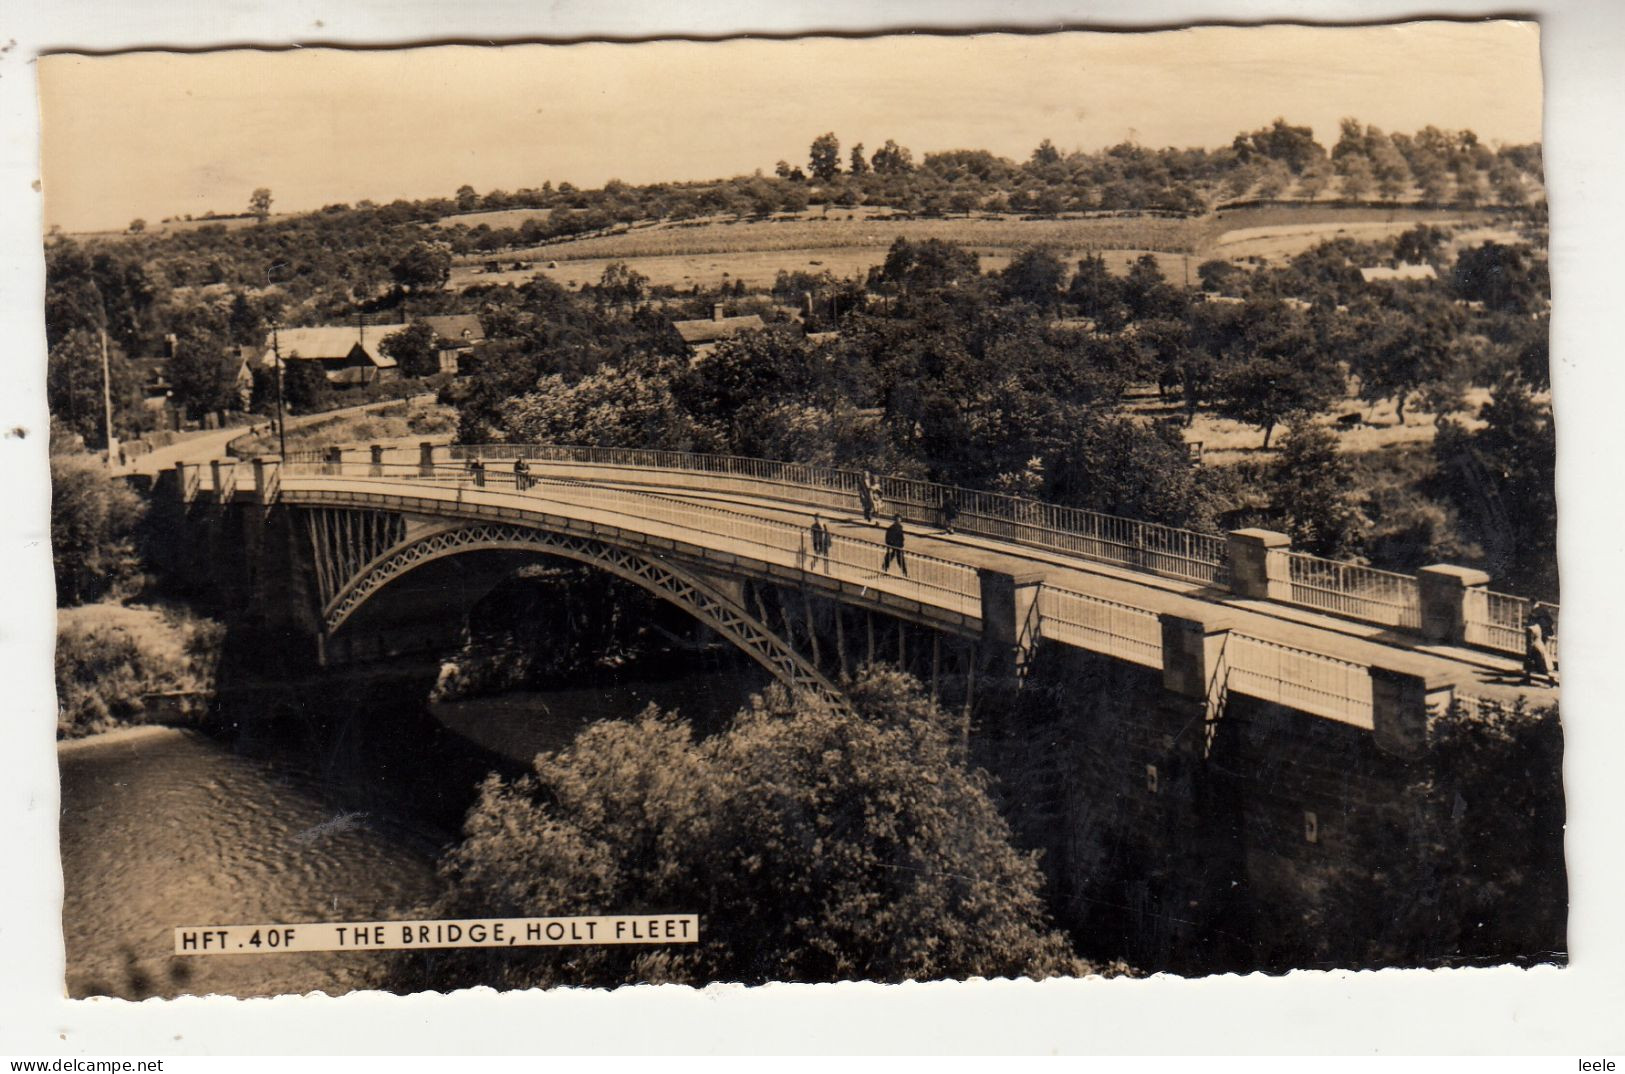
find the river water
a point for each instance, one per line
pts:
(164, 827)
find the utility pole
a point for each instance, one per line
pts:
(281, 422)
(107, 406)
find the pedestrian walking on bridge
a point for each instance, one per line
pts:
(894, 547)
(820, 540)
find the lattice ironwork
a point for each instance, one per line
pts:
(663, 579)
(345, 541)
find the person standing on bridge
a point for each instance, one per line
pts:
(947, 511)
(476, 468)
(894, 547)
(521, 474)
(866, 495)
(1537, 655)
(820, 540)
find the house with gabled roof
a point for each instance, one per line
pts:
(348, 354)
(703, 335)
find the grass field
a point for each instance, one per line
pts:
(1225, 441)
(837, 231)
(721, 250)
(494, 218)
(758, 268)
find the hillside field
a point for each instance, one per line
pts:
(721, 250)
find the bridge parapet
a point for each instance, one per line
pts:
(1258, 564)
(224, 474)
(1254, 571)
(1252, 563)
(267, 479)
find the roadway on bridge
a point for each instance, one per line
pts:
(1484, 674)
(621, 503)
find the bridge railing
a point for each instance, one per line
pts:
(929, 580)
(1340, 588)
(1355, 591)
(1497, 620)
(1168, 551)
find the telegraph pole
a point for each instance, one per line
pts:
(281, 422)
(107, 406)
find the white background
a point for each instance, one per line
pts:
(1580, 1010)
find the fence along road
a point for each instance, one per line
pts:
(1312, 661)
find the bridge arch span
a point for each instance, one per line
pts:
(685, 588)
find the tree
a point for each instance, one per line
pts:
(1120, 466)
(1095, 291)
(467, 199)
(1357, 177)
(246, 322)
(73, 385)
(1388, 164)
(415, 349)
(622, 285)
(1313, 182)
(816, 844)
(93, 523)
(1277, 370)
(892, 159)
(137, 226)
(204, 367)
(259, 204)
(927, 266)
(1309, 485)
(423, 267)
(824, 157)
(859, 165)
(1034, 275)
(304, 386)
(1293, 147)
(1501, 276)
(1045, 155)
(1479, 852)
(1503, 479)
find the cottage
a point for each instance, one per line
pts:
(349, 354)
(1402, 271)
(456, 334)
(702, 336)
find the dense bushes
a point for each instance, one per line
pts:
(1470, 869)
(93, 525)
(815, 844)
(117, 666)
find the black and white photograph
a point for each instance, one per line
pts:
(919, 507)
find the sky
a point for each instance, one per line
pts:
(156, 134)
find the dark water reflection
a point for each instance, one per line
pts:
(310, 818)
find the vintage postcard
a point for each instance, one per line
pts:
(909, 508)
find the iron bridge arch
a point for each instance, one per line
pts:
(670, 581)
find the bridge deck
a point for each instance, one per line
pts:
(1485, 674)
(771, 531)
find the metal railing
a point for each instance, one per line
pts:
(1495, 620)
(1343, 589)
(1168, 551)
(929, 580)
(1354, 591)
(1101, 626)
(1310, 682)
